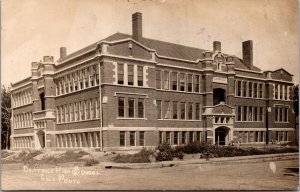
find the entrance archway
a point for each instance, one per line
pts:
(41, 138)
(221, 135)
(219, 95)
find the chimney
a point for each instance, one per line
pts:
(248, 53)
(63, 52)
(217, 46)
(137, 26)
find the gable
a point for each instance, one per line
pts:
(129, 49)
(281, 74)
(222, 109)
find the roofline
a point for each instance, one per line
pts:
(21, 81)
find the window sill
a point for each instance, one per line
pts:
(23, 128)
(175, 91)
(185, 120)
(60, 95)
(281, 122)
(249, 121)
(25, 105)
(77, 121)
(127, 118)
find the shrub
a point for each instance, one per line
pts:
(166, 153)
(140, 157)
(90, 162)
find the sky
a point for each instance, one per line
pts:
(31, 29)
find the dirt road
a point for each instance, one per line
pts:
(251, 175)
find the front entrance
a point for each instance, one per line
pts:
(221, 136)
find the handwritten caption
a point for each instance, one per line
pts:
(61, 175)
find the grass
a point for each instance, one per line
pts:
(140, 157)
(90, 162)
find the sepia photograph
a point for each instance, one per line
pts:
(150, 95)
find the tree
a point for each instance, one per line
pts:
(5, 118)
(296, 99)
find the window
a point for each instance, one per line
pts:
(122, 138)
(250, 89)
(261, 113)
(141, 108)
(276, 91)
(158, 79)
(174, 81)
(76, 111)
(160, 137)
(183, 137)
(255, 90)
(286, 136)
(250, 114)
(71, 112)
(80, 80)
(86, 77)
(93, 111)
(244, 88)
(142, 138)
(281, 91)
(42, 99)
(280, 114)
(166, 80)
(190, 83)
(286, 115)
(286, 93)
(120, 74)
(198, 136)
(255, 114)
(62, 114)
(167, 110)
(190, 111)
(175, 116)
(196, 83)
(168, 137)
(130, 74)
(245, 113)
(182, 110)
(158, 103)
(197, 115)
(260, 90)
(58, 117)
(92, 75)
(82, 110)
(97, 75)
(239, 88)
(140, 75)
(276, 114)
(87, 109)
(67, 112)
(97, 107)
(132, 138)
(176, 137)
(76, 81)
(121, 107)
(191, 137)
(131, 107)
(182, 81)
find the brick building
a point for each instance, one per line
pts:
(127, 91)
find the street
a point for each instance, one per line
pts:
(282, 174)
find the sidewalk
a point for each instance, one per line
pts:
(252, 158)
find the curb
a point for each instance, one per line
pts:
(281, 156)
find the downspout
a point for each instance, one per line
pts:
(100, 106)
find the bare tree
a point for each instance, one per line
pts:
(5, 117)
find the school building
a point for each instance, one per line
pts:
(129, 91)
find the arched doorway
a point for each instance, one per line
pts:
(41, 138)
(219, 95)
(221, 135)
